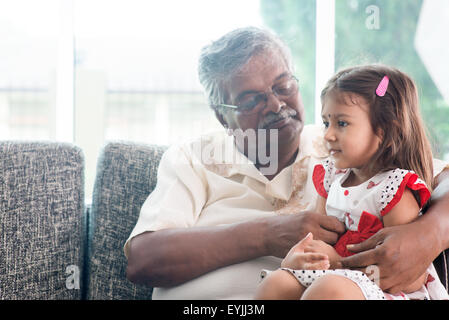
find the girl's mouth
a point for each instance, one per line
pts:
(334, 151)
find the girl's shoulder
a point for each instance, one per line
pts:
(324, 174)
(391, 185)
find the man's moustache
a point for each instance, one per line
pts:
(274, 117)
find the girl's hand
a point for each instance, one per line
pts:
(297, 258)
(318, 246)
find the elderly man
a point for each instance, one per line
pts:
(210, 226)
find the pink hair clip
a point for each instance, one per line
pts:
(382, 87)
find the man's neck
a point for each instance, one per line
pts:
(284, 160)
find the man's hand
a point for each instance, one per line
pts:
(284, 231)
(402, 254)
(297, 258)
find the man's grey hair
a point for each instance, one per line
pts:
(225, 57)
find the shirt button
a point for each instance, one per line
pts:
(346, 192)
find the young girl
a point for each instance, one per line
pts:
(379, 174)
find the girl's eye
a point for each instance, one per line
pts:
(342, 123)
(326, 124)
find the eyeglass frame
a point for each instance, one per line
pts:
(236, 108)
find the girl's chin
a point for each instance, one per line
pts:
(341, 165)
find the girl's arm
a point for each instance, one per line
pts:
(309, 250)
(404, 252)
(320, 206)
(319, 246)
(405, 211)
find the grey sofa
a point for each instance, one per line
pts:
(51, 246)
(41, 221)
(126, 175)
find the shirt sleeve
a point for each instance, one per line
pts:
(323, 175)
(178, 198)
(439, 166)
(393, 187)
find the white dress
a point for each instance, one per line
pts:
(361, 208)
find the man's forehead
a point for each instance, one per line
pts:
(266, 61)
(258, 74)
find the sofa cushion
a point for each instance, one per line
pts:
(126, 174)
(41, 220)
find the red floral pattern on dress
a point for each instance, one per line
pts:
(371, 184)
(429, 279)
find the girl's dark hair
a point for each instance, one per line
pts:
(396, 116)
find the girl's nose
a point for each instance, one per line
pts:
(329, 134)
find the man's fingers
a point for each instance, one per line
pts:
(332, 224)
(362, 246)
(327, 236)
(368, 244)
(360, 260)
(330, 229)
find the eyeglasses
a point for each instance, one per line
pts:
(254, 102)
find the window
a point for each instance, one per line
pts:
(89, 72)
(29, 52)
(136, 69)
(409, 35)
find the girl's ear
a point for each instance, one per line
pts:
(380, 134)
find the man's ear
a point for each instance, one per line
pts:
(220, 118)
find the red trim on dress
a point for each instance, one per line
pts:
(318, 180)
(408, 181)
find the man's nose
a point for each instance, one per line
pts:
(273, 104)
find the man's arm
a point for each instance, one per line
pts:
(170, 257)
(404, 252)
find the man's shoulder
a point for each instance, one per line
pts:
(312, 142)
(200, 148)
(312, 131)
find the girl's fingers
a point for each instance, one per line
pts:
(316, 261)
(320, 265)
(315, 257)
(303, 243)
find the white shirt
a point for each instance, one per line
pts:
(196, 187)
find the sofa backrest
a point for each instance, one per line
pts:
(41, 220)
(126, 174)
(442, 268)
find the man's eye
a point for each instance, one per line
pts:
(283, 90)
(342, 123)
(286, 88)
(250, 102)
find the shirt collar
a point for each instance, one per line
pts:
(234, 162)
